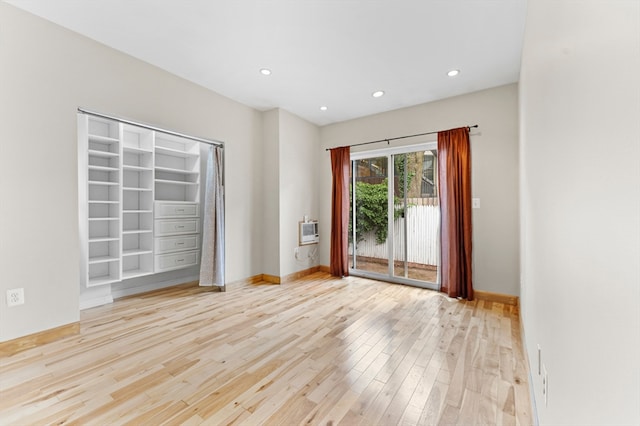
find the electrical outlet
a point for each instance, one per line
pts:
(15, 297)
(545, 385)
(296, 251)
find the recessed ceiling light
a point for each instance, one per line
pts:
(323, 108)
(377, 94)
(265, 71)
(453, 73)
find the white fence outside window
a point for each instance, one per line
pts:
(423, 225)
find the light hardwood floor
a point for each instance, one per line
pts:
(318, 351)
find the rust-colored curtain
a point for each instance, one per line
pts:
(339, 254)
(454, 184)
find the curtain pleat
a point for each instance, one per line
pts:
(212, 262)
(454, 185)
(339, 254)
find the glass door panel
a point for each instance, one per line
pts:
(369, 189)
(402, 181)
(395, 209)
(417, 216)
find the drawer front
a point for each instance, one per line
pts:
(169, 210)
(176, 227)
(167, 262)
(171, 244)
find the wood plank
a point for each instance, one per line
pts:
(299, 275)
(273, 279)
(14, 346)
(506, 299)
(318, 350)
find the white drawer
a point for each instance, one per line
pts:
(172, 244)
(175, 227)
(167, 262)
(169, 210)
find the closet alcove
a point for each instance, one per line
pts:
(141, 194)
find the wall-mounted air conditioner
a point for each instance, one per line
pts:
(308, 232)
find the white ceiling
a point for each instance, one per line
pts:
(322, 52)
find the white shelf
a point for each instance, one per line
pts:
(176, 182)
(106, 279)
(102, 182)
(129, 188)
(103, 239)
(175, 202)
(104, 154)
(136, 252)
(103, 202)
(137, 231)
(102, 259)
(102, 218)
(103, 139)
(135, 273)
(135, 150)
(180, 171)
(104, 168)
(175, 152)
(137, 211)
(136, 168)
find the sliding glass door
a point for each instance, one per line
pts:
(395, 217)
(369, 213)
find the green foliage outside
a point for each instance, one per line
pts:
(371, 210)
(400, 166)
(371, 199)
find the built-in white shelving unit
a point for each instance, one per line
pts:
(177, 195)
(103, 198)
(177, 169)
(139, 200)
(137, 207)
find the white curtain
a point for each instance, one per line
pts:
(212, 263)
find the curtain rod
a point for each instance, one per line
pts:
(146, 126)
(387, 140)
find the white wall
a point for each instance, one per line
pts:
(46, 73)
(290, 190)
(299, 142)
(494, 148)
(580, 177)
(271, 193)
